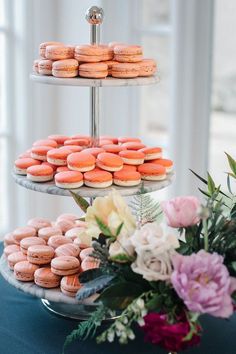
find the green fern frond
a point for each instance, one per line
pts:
(87, 328)
(145, 208)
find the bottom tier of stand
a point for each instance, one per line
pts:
(53, 299)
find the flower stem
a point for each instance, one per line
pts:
(206, 240)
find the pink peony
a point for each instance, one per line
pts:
(181, 211)
(169, 336)
(203, 282)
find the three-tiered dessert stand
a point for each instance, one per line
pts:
(53, 299)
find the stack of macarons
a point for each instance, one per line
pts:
(71, 162)
(118, 60)
(52, 254)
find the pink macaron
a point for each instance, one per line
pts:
(11, 249)
(70, 285)
(69, 249)
(46, 232)
(14, 258)
(65, 68)
(44, 278)
(56, 241)
(65, 265)
(22, 232)
(65, 224)
(38, 223)
(68, 216)
(40, 254)
(9, 239)
(24, 271)
(45, 67)
(59, 52)
(25, 243)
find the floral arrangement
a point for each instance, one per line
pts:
(161, 266)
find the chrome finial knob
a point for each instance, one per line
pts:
(94, 15)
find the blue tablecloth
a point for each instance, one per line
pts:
(27, 328)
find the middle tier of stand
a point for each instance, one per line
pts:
(87, 192)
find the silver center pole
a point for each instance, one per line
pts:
(94, 16)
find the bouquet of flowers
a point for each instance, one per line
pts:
(161, 266)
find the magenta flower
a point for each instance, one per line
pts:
(203, 282)
(181, 211)
(170, 336)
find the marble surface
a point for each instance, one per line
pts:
(54, 295)
(109, 81)
(51, 188)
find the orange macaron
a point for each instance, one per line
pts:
(132, 157)
(126, 139)
(45, 142)
(41, 173)
(152, 172)
(114, 139)
(98, 179)
(65, 68)
(93, 70)
(21, 165)
(59, 52)
(78, 141)
(114, 149)
(132, 145)
(81, 161)
(72, 148)
(92, 53)
(43, 46)
(58, 138)
(94, 151)
(148, 67)
(152, 153)
(59, 156)
(168, 164)
(69, 179)
(125, 70)
(109, 162)
(127, 178)
(128, 53)
(45, 67)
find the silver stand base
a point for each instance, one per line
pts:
(77, 312)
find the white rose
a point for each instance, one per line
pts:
(112, 211)
(154, 249)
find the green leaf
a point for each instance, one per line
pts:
(232, 175)
(232, 163)
(211, 184)
(119, 229)
(103, 227)
(90, 274)
(205, 193)
(120, 295)
(199, 177)
(81, 202)
(92, 286)
(154, 304)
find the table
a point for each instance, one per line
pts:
(27, 328)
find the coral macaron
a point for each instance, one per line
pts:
(81, 161)
(70, 285)
(127, 178)
(152, 153)
(69, 249)
(14, 258)
(132, 157)
(40, 152)
(109, 162)
(45, 67)
(65, 265)
(131, 145)
(168, 164)
(128, 53)
(40, 254)
(94, 151)
(152, 172)
(24, 271)
(65, 68)
(114, 149)
(126, 139)
(59, 156)
(41, 173)
(45, 142)
(69, 179)
(58, 138)
(21, 165)
(46, 279)
(43, 46)
(98, 179)
(148, 67)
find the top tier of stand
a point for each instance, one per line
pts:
(107, 82)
